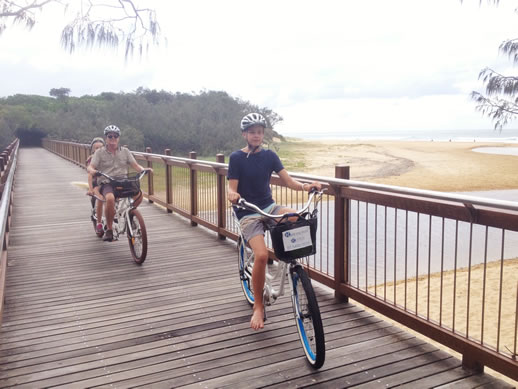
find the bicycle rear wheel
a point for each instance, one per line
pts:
(307, 317)
(245, 258)
(137, 241)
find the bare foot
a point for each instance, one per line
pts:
(257, 321)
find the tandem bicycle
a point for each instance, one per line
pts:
(127, 219)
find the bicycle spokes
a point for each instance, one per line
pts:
(245, 260)
(307, 317)
(137, 236)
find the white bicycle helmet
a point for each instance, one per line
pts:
(252, 119)
(113, 129)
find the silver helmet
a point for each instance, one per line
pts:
(113, 129)
(252, 119)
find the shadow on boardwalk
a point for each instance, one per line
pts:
(80, 313)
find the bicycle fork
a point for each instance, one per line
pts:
(294, 297)
(128, 223)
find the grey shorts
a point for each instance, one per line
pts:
(253, 225)
(106, 188)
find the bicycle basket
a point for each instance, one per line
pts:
(126, 187)
(292, 240)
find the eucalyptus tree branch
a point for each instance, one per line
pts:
(102, 22)
(500, 104)
(22, 9)
(497, 83)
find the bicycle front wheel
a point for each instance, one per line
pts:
(245, 258)
(307, 317)
(138, 240)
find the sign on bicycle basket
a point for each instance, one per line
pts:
(296, 238)
(292, 240)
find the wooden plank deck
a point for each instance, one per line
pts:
(79, 313)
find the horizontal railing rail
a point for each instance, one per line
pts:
(8, 160)
(442, 264)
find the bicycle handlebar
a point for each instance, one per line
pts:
(242, 203)
(139, 175)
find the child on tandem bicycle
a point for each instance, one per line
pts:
(249, 173)
(93, 188)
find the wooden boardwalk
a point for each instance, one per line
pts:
(79, 313)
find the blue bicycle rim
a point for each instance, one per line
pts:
(246, 283)
(300, 322)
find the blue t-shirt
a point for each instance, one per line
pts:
(254, 173)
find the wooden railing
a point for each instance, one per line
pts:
(442, 264)
(7, 168)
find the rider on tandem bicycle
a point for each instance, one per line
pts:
(249, 173)
(114, 161)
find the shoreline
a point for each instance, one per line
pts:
(432, 165)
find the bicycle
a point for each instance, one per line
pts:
(291, 240)
(127, 218)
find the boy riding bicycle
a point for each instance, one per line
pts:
(249, 173)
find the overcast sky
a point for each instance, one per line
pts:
(324, 66)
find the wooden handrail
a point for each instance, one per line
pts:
(486, 212)
(9, 157)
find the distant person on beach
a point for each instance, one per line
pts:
(249, 173)
(93, 187)
(114, 161)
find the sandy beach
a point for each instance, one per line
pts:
(442, 166)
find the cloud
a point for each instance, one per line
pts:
(336, 64)
(339, 117)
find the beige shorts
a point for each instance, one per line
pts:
(254, 224)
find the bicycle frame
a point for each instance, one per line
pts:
(270, 293)
(123, 206)
(121, 219)
(126, 219)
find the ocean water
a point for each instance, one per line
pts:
(497, 150)
(485, 135)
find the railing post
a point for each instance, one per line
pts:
(469, 362)
(168, 182)
(194, 189)
(150, 190)
(4, 164)
(341, 248)
(84, 155)
(221, 198)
